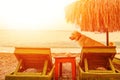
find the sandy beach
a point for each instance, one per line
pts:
(8, 64)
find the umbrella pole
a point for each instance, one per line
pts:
(107, 38)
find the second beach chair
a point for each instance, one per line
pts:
(96, 63)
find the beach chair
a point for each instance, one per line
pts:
(37, 59)
(96, 63)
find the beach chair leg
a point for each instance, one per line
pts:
(56, 71)
(60, 70)
(73, 70)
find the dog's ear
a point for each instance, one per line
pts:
(76, 32)
(78, 35)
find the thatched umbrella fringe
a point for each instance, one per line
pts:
(95, 15)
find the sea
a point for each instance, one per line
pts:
(57, 40)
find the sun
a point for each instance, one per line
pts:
(32, 14)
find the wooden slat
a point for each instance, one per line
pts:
(100, 71)
(99, 46)
(45, 68)
(101, 75)
(28, 73)
(33, 53)
(32, 50)
(111, 65)
(99, 50)
(34, 57)
(18, 66)
(86, 65)
(32, 65)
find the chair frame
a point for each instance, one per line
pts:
(18, 75)
(83, 66)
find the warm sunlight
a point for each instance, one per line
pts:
(32, 14)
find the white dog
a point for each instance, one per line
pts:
(84, 40)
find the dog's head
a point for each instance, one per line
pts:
(75, 35)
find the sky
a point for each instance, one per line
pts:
(33, 14)
(38, 15)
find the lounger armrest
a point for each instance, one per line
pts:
(51, 72)
(79, 67)
(18, 66)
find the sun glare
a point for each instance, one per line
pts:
(31, 14)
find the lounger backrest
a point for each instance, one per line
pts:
(34, 57)
(97, 56)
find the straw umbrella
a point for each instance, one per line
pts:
(95, 15)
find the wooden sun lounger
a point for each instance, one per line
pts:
(96, 62)
(38, 58)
